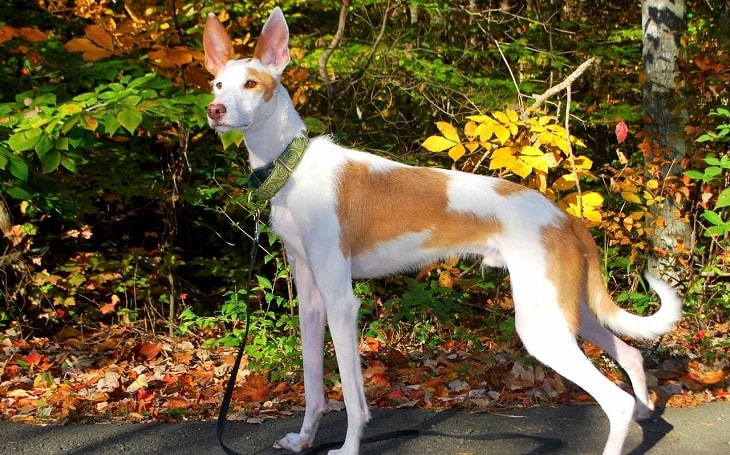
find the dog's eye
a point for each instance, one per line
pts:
(219, 85)
(250, 84)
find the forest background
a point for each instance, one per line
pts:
(127, 225)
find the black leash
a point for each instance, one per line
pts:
(223, 413)
(545, 444)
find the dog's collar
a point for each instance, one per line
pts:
(267, 180)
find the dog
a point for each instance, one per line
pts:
(344, 214)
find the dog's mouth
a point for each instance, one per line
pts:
(223, 126)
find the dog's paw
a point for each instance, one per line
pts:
(643, 411)
(341, 452)
(293, 442)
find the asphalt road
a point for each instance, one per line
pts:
(699, 431)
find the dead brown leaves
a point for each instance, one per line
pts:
(117, 374)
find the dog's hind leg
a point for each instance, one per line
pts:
(628, 357)
(547, 336)
(312, 323)
(342, 316)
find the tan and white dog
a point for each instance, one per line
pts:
(345, 214)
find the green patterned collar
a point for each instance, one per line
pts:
(267, 180)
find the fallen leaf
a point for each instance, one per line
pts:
(32, 358)
(137, 384)
(100, 37)
(621, 132)
(147, 350)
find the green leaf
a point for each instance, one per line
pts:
(315, 125)
(50, 161)
(723, 200)
(694, 175)
(19, 193)
(129, 119)
(715, 231)
(264, 282)
(62, 143)
(44, 145)
(231, 137)
(712, 160)
(25, 140)
(68, 163)
(713, 217)
(19, 169)
(70, 122)
(111, 124)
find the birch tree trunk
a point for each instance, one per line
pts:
(665, 118)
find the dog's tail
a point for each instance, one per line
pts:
(662, 321)
(613, 316)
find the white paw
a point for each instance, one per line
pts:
(643, 411)
(341, 452)
(293, 442)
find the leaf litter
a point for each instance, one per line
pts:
(118, 374)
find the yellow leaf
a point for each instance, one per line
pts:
(592, 199)
(534, 158)
(437, 144)
(480, 118)
(631, 197)
(583, 162)
(502, 133)
(457, 152)
(593, 215)
(449, 132)
(565, 182)
(539, 182)
(652, 184)
(486, 130)
(503, 157)
(552, 159)
(501, 116)
(470, 130)
(472, 146)
(587, 207)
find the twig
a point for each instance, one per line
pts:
(322, 64)
(376, 43)
(514, 81)
(571, 156)
(561, 86)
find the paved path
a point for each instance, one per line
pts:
(700, 431)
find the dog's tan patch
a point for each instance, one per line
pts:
(265, 83)
(599, 299)
(377, 206)
(507, 188)
(566, 266)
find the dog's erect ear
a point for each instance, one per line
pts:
(217, 45)
(272, 48)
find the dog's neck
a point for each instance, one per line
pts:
(276, 129)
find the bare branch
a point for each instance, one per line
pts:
(322, 64)
(563, 85)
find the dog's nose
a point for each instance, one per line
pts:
(216, 111)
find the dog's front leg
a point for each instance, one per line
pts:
(311, 321)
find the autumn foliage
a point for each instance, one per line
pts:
(126, 223)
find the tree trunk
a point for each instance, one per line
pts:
(665, 117)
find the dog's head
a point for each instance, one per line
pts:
(244, 88)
